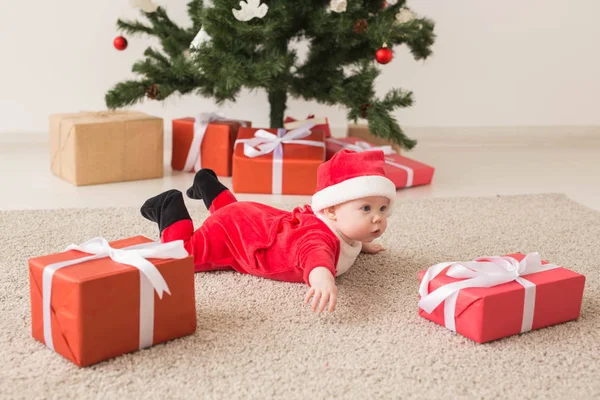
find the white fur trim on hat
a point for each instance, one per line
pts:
(352, 189)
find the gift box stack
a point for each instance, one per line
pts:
(279, 161)
(112, 146)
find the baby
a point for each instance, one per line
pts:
(311, 244)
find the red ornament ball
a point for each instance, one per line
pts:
(120, 43)
(383, 55)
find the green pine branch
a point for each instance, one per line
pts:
(381, 122)
(195, 8)
(134, 27)
(126, 93)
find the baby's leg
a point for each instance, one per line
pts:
(209, 249)
(208, 188)
(224, 198)
(170, 213)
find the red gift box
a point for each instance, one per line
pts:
(277, 161)
(204, 142)
(403, 171)
(494, 297)
(89, 306)
(321, 124)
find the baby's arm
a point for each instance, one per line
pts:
(322, 287)
(371, 248)
(316, 256)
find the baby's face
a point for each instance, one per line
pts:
(364, 219)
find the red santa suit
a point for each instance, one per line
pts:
(261, 240)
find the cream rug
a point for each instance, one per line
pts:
(256, 339)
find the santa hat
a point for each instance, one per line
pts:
(349, 175)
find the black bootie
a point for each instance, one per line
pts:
(165, 209)
(206, 187)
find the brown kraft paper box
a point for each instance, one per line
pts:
(362, 132)
(88, 148)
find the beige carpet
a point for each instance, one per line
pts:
(256, 339)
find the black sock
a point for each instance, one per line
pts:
(165, 209)
(206, 187)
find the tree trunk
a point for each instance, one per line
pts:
(277, 100)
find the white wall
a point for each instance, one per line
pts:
(496, 63)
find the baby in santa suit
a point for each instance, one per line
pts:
(311, 244)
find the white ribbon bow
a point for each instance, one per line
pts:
(265, 142)
(483, 272)
(150, 278)
(193, 161)
(360, 145)
(298, 123)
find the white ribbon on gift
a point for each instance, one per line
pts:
(136, 256)
(299, 123)
(360, 145)
(482, 272)
(193, 162)
(265, 142)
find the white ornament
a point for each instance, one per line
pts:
(405, 15)
(392, 2)
(250, 9)
(201, 37)
(338, 6)
(145, 5)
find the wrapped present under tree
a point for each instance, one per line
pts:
(277, 161)
(205, 141)
(89, 148)
(403, 171)
(362, 132)
(320, 124)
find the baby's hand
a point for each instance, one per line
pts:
(323, 288)
(372, 248)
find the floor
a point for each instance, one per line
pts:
(486, 166)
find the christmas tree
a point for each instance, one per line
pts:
(232, 45)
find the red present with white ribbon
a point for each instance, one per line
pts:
(205, 142)
(403, 171)
(277, 161)
(494, 297)
(319, 124)
(99, 300)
